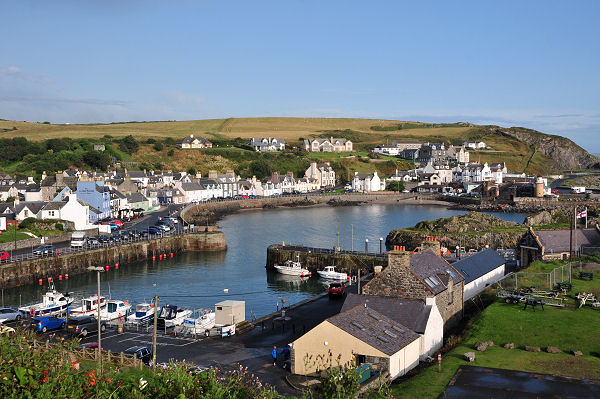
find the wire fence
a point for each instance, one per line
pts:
(540, 280)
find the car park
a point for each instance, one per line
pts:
(142, 353)
(46, 323)
(83, 325)
(44, 250)
(9, 314)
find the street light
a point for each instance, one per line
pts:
(98, 269)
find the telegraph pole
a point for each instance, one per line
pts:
(154, 331)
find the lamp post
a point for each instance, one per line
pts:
(98, 270)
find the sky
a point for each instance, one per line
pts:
(511, 63)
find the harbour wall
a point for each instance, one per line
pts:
(315, 259)
(30, 271)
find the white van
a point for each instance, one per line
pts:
(78, 239)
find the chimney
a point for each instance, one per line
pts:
(212, 174)
(399, 257)
(43, 176)
(431, 243)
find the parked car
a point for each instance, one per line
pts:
(83, 325)
(134, 234)
(113, 227)
(4, 255)
(144, 353)
(92, 242)
(337, 288)
(45, 323)
(155, 230)
(8, 314)
(44, 250)
(117, 222)
(103, 239)
(162, 226)
(116, 237)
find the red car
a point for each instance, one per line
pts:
(117, 223)
(4, 255)
(337, 288)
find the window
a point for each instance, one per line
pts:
(451, 273)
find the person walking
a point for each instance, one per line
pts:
(274, 355)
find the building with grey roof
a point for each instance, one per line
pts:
(480, 270)
(266, 144)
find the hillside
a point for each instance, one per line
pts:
(522, 149)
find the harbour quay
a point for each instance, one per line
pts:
(66, 263)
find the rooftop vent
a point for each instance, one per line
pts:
(358, 325)
(384, 339)
(398, 329)
(391, 334)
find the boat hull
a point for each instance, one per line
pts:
(332, 275)
(36, 310)
(292, 271)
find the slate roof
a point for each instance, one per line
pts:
(258, 141)
(5, 206)
(411, 313)
(479, 264)
(374, 329)
(427, 265)
(54, 205)
(33, 206)
(190, 140)
(558, 240)
(136, 197)
(191, 187)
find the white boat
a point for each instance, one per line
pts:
(53, 303)
(89, 306)
(199, 325)
(292, 268)
(115, 309)
(143, 313)
(329, 273)
(171, 316)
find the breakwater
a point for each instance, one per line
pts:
(30, 271)
(315, 259)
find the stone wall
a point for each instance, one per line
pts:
(397, 280)
(28, 272)
(452, 311)
(35, 242)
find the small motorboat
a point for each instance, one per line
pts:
(171, 316)
(292, 268)
(115, 309)
(143, 313)
(89, 306)
(53, 303)
(329, 273)
(201, 324)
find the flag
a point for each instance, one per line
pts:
(582, 214)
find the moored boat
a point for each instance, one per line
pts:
(329, 273)
(143, 313)
(53, 303)
(89, 306)
(171, 316)
(201, 324)
(115, 309)
(292, 268)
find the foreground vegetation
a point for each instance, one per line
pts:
(568, 329)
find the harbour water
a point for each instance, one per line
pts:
(199, 280)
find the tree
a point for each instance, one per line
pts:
(191, 171)
(397, 185)
(129, 145)
(97, 160)
(261, 168)
(158, 146)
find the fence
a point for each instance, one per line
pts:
(518, 280)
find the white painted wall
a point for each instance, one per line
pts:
(405, 360)
(478, 285)
(433, 337)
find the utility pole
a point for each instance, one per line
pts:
(98, 270)
(571, 219)
(154, 331)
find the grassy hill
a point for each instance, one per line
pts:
(365, 133)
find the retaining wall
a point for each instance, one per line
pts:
(28, 272)
(35, 242)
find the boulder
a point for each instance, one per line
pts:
(577, 353)
(489, 343)
(470, 357)
(532, 348)
(510, 345)
(481, 346)
(553, 349)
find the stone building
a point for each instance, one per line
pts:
(421, 276)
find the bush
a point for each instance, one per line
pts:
(28, 223)
(129, 145)
(158, 146)
(191, 171)
(171, 152)
(59, 226)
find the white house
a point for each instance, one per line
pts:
(480, 271)
(387, 150)
(24, 210)
(8, 191)
(267, 144)
(211, 188)
(192, 192)
(73, 210)
(323, 173)
(442, 170)
(476, 145)
(194, 142)
(476, 173)
(366, 183)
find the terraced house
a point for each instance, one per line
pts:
(327, 145)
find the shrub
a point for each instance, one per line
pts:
(171, 152)
(158, 146)
(59, 226)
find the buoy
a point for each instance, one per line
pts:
(159, 257)
(40, 281)
(107, 267)
(153, 258)
(117, 266)
(49, 279)
(66, 276)
(171, 254)
(60, 277)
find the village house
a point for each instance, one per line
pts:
(306, 185)
(405, 176)
(193, 142)
(327, 145)
(363, 182)
(192, 192)
(139, 177)
(387, 150)
(443, 172)
(24, 210)
(461, 155)
(95, 194)
(7, 192)
(267, 144)
(118, 203)
(433, 152)
(476, 145)
(480, 270)
(406, 145)
(419, 276)
(73, 211)
(227, 181)
(278, 184)
(357, 336)
(138, 202)
(555, 244)
(410, 153)
(250, 187)
(322, 173)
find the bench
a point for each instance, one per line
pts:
(586, 275)
(564, 286)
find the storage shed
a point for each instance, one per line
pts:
(230, 312)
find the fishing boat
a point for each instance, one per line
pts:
(200, 324)
(53, 303)
(329, 273)
(115, 309)
(292, 268)
(171, 316)
(143, 313)
(89, 306)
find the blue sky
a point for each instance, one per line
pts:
(512, 63)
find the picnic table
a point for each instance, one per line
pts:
(586, 275)
(564, 286)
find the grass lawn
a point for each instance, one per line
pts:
(9, 234)
(567, 328)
